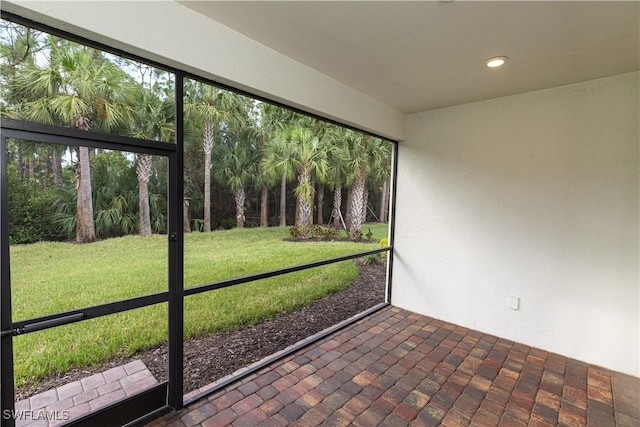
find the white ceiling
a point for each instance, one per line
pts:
(417, 56)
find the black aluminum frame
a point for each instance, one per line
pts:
(161, 397)
(392, 218)
(6, 340)
(166, 396)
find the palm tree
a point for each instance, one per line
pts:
(359, 154)
(212, 106)
(114, 195)
(18, 48)
(193, 171)
(238, 159)
(144, 164)
(152, 119)
(381, 173)
(321, 129)
(272, 120)
(338, 172)
(320, 203)
(78, 88)
(299, 149)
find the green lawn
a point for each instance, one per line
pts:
(53, 277)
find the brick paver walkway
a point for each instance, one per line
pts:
(81, 397)
(397, 368)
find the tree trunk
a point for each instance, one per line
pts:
(384, 201)
(85, 227)
(57, 169)
(20, 162)
(239, 198)
(357, 206)
(208, 146)
(347, 218)
(264, 207)
(337, 206)
(143, 171)
(186, 222)
(365, 205)
(32, 167)
(283, 200)
(311, 203)
(303, 216)
(320, 215)
(47, 172)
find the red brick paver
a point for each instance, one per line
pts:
(397, 368)
(75, 399)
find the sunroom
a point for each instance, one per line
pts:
(513, 246)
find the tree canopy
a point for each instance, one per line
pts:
(246, 162)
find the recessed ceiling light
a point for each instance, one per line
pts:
(496, 61)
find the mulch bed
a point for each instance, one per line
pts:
(209, 358)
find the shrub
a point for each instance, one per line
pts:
(297, 233)
(372, 259)
(314, 232)
(227, 224)
(197, 224)
(369, 234)
(324, 232)
(384, 242)
(30, 213)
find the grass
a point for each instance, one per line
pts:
(54, 277)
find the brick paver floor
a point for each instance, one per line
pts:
(397, 368)
(81, 397)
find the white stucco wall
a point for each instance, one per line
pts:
(172, 34)
(534, 196)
